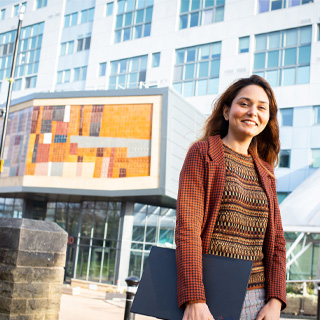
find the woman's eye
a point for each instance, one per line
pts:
(262, 107)
(243, 104)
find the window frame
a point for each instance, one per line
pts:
(246, 49)
(285, 152)
(187, 17)
(281, 117)
(317, 159)
(134, 23)
(316, 115)
(156, 63)
(190, 74)
(284, 5)
(102, 69)
(283, 67)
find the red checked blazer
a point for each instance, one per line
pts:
(201, 185)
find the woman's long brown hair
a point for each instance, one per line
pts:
(265, 145)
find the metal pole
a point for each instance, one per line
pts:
(6, 114)
(318, 306)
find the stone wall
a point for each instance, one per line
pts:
(32, 259)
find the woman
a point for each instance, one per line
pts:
(227, 202)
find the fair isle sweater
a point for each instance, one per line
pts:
(243, 217)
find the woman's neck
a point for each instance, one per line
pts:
(236, 145)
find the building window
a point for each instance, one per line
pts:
(316, 115)
(41, 3)
(16, 8)
(80, 74)
(151, 226)
(318, 32)
(286, 117)
(11, 208)
(17, 84)
(284, 158)
(109, 9)
(28, 55)
(133, 19)
(315, 158)
(155, 60)
(128, 73)
(2, 14)
(195, 13)
(196, 71)
(31, 82)
(70, 19)
(283, 57)
(63, 76)
(67, 48)
(244, 43)
(102, 69)
(83, 44)
(87, 15)
(282, 196)
(271, 5)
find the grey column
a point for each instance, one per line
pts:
(125, 236)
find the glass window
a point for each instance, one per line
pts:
(316, 115)
(197, 69)
(41, 3)
(2, 14)
(102, 69)
(125, 76)
(200, 12)
(286, 117)
(290, 52)
(315, 158)
(133, 19)
(268, 5)
(284, 159)
(109, 10)
(244, 43)
(281, 196)
(87, 15)
(155, 60)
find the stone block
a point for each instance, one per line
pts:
(40, 259)
(32, 235)
(53, 316)
(15, 274)
(49, 275)
(8, 256)
(55, 290)
(310, 305)
(13, 306)
(6, 289)
(32, 257)
(293, 304)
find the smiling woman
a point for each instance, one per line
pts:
(227, 202)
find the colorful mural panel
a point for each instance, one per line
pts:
(89, 141)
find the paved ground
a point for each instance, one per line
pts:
(100, 306)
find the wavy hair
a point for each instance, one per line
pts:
(266, 145)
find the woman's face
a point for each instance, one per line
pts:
(249, 113)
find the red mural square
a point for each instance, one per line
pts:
(73, 148)
(62, 128)
(43, 153)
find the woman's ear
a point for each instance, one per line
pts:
(226, 111)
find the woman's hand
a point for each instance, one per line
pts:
(197, 311)
(271, 311)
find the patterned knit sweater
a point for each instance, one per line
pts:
(243, 217)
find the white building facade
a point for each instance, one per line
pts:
(198, 47)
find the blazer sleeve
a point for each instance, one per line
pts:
(277, 288)
(190, 212)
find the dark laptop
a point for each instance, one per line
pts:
(225, 281)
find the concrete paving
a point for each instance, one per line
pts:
(103, 306)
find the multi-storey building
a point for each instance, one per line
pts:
(197, 47)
